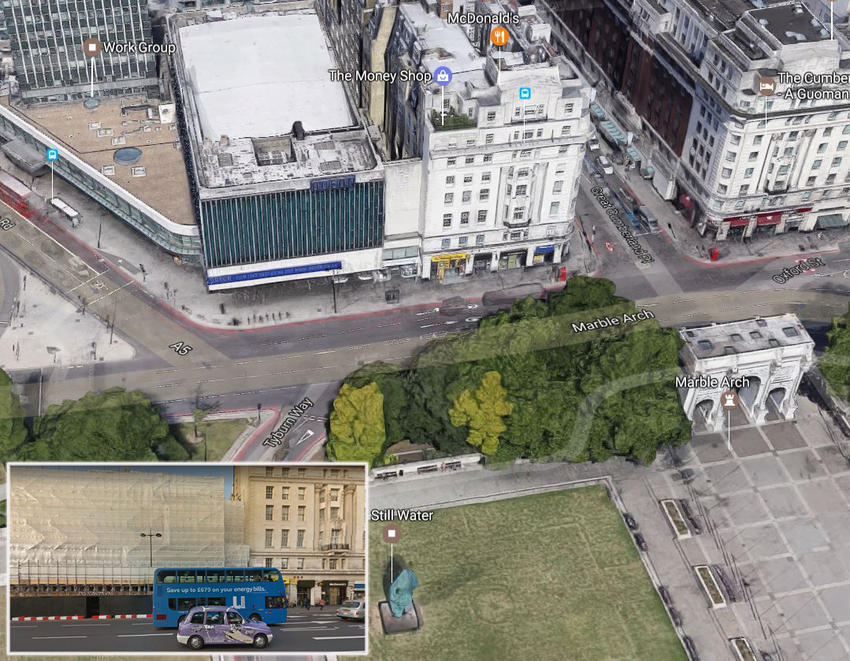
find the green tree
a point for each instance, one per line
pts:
(113, 425)
(357, 431)
(13, 432)
(482, 411)
(390, 380)
(835, 363)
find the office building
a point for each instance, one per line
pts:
(761, 359)
(47, 46)
(743, 108)
(501, 144)
(309, 522)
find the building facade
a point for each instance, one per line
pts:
(501, 144)
(761, 359)
(309, 522)
(740, 162)
(47, 46)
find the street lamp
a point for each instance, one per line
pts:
(150, 536)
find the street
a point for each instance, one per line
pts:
(308, 633)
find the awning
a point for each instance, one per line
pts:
(738, 221)
(449, 257)
(597, 111)
(359, 586)
(830, 221)
(634, 154)
(685, 200)
(768, 219)
(613, 132)
(544, 250)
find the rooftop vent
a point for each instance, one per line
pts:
(761, 322)
(795, 35)
(790, 331)
(705, 345)
(763, 21)
(773, 342)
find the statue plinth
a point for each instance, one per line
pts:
(410, 619)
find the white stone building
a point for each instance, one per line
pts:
(500, 166)
(762, 359)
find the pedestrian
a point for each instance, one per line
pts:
(322, 604)
(307, 603)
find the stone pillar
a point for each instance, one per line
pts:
(529, 256)
(469, 262)
(425, 271)
(717, 417)
(494, 261)
(759, 411)
(559, 252)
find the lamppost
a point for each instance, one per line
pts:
(150, 535)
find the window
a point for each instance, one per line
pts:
(488, 158)
(300, 563)
(743, 190)
(527, 135)
(748, 172)
(451, 162)
(827, 132)
(726, 172)
(731, 156)
(521, 189)
(479, 240)
(269, 471)
(846, 130)
(448, 198)
(842, 144)
(284, 493)
(234, 576)
(558, 187)
(816, 164)
(822, 147)
(301, 512)
(830, 180)
(491, 116)
(516, 236)
(788, 151)
(334, 512)
(301, 490)
(753, 155)
(522, 172)
(268, 562)
(450, 180)
(467, 196)
(469, 160)
(269, 534)
(463, 241)
(322, 496)
(519, 212)
(332, 563)
(836, 162)
(269, 492)
(197, 618)
(736, 139)
(302, 472)
(482, 216)
(464, 218)
(810, 181)
(783, 169)
(299, 540)
(484, 194)
(553, 208)
(269, 512)
(284, 538)
(722, 188)
(446, 244)
(447, 220)
(485, 177)
(565, 129)
(525, 153)
(467, 179)
(284, 472)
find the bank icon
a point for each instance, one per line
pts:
(442, 75)
(525, 93)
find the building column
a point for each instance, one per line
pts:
(529, 256)
(560, 252)
(494, 261)
(716, 419)
(759, 411)
(425, 271)
(469, 262)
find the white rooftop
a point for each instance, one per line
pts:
(254, 76)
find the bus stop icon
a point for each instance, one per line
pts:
(52, 155)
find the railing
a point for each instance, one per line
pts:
(335, 547)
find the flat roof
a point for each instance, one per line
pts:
(746, 335)
(90, 134)
(254, 76)
(791, 24)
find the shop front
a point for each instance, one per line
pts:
(449, 267)
(481, 262)
(543, 255)
(513, 259)
(334, 592)
(737, 227)
(304, 588)
(830, 221)
(359, 591)
(766, 223)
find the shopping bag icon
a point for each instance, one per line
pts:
(442, 77)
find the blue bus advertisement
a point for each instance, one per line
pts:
(258, 593)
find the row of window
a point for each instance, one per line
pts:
(448, 218)
(272, 471)
(284, 538)
(466, 196)
(284, 492)
(467, 179)
(333, 512)
(216, 576)
(283, 563)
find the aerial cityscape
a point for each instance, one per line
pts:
(448, 329)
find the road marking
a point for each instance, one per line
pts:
(83, 624)
(56, 637)
(335, 637)
(87, 281)
(111, 292)
(139, 635)
(319, 353)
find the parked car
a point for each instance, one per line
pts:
(219, 625)
(648, 217)
(630, 521)
(674, 615)
(604, 164)
(665, 595)
(593, 144)
(354, 610)
(640, 541)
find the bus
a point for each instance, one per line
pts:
(258, 593)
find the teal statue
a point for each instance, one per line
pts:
(400, 594)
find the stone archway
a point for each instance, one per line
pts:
(775, 401)
(703, 411)
(749, 393)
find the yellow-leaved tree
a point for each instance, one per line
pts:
(482, 411)
(357, 425)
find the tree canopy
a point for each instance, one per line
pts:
(357, 430)
(13, 432)
(535, 381)
(835, 363)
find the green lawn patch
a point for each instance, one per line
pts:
(220, 435)
(547, 576)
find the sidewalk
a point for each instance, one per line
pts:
(181, 287)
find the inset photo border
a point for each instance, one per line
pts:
(149, 559)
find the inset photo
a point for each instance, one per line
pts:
(174, 558)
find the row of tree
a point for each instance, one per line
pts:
(113, 425)
(835, 362)
(525, 383)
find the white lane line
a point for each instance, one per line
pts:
(55, 637)
(83, 624)
(29, 626)
(117, 289)
(335, 637)
(139, 635)
(310, 629)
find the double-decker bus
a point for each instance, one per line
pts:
(258, 593)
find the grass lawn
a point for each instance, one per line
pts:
(220, 436)
(551, 576)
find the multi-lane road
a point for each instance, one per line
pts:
(309, 633)
(278, 366)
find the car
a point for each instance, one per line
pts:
(648, 217)
(605, 164)
(353, 610)
(593, 144)
(366, 277)
(630, 521)
(220, 625)
(640, 541)
(674, 615)
(665, 595)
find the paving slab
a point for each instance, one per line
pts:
(823, 646)
(833, 460)
(728, 477)
(783, 502)
(785, 436)
(837, 528)
(744, 508)
(843, 483)
(802, 465)
(762, 541)
(765, 471)
(802, 534)
(800, 611)
(711, 447)
(781, 575)
(748, 442)
(823, 497)
(824, 567)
